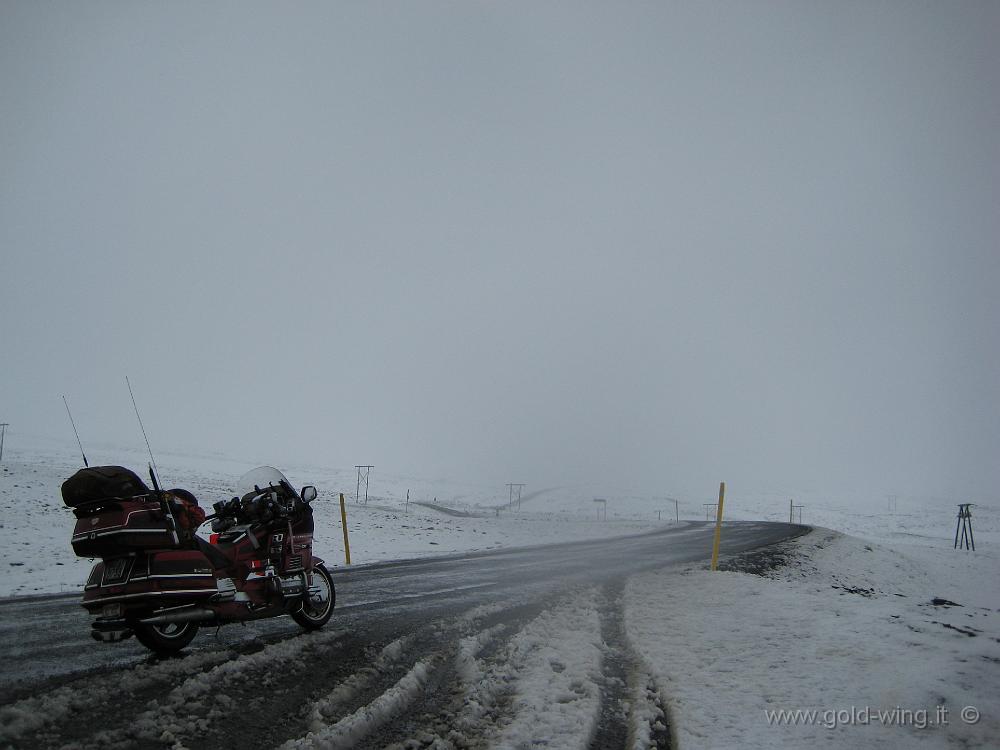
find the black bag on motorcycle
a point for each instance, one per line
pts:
(101, 483)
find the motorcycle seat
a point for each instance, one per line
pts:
(213, 553)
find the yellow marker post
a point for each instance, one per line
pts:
(343, 520)
(718, 526)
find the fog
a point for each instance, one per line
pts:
(649, 245)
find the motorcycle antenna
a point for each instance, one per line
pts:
(66, 403)
(153, 470)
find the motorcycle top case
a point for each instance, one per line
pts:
(97, 483)
(121, 527)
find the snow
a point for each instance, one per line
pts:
(32, 714)
(552, 666)
(541, 686)
(847, 628)
(350, 730)
(322, 730)
(162, 720)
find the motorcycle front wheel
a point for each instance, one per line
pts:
(318, 607)
(168, 638)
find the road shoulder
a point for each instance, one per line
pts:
(826, 623)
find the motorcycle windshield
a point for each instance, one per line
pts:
(262, 477)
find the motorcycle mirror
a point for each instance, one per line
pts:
(308, 493)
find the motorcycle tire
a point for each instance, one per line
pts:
(168, 638)
(315, 612)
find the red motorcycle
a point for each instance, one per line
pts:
(160, 581)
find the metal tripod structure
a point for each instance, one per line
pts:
(965, 528)
(368, 471)
(510, 494)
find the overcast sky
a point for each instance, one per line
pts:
(666, 244)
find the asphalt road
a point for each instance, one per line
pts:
(49, 660)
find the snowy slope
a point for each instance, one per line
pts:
(848, 629)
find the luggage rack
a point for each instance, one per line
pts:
(89, 505)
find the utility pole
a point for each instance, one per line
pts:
(891, 499)
(718, 526)
(368, 470)
(677, 509)
(510, 494)
(605, 503)
(3, 430)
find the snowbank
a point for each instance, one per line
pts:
(849, 630)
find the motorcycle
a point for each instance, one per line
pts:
(160, 581)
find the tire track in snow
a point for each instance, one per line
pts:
(353, 728)
(265, 699)
(415, 689)
(433, 714)
(525, 675)
(371, 707)
(101, 696)
(632, 716)
(617, 667)
(206, 703)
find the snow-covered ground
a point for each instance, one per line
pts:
(848, 629)
(875, 630)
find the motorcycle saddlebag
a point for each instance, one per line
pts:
(98, 483)
(158, 579)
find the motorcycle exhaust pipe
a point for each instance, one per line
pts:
(188, 615)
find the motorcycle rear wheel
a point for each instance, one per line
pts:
(315, 612)
(168, 638)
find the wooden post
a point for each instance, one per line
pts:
(343, 520)
(718, 527)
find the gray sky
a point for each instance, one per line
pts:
(664, 243)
